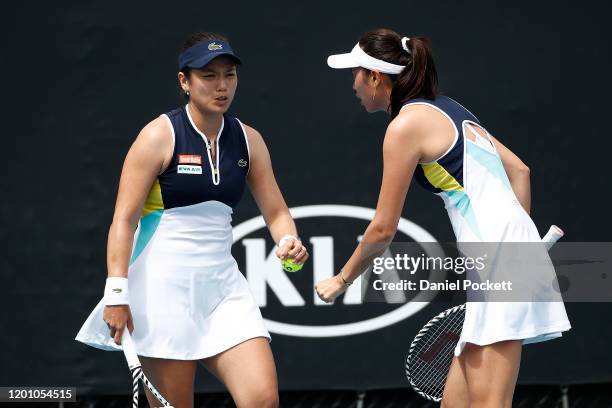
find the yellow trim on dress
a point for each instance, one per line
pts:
(154, 200)
(440, 178)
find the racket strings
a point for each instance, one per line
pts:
(432, 354)
(443, 359)
(436, 370)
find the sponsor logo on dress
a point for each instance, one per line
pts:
(242, 163)
(214, 46)
(117, 290)
(189, 169)
(189, 159)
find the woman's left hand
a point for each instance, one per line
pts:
(293, 249)
(330, 289)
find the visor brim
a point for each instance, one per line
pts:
(206, 59)
(341, 61)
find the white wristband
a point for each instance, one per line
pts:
(286, 238)
(116, 291)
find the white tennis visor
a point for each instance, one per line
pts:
(358, 58)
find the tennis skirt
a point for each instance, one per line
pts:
(532, 274)
(190, 315)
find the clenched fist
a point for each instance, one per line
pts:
(330, 289)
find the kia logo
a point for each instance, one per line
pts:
(263, 272)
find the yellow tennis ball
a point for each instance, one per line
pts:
(290, 265)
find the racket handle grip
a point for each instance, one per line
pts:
(128, 349)
(552, 236)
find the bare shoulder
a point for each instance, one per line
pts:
(417, 117)
(154, 144)
(254, 138)
(157, 133)
(260, 162)
(406, 127)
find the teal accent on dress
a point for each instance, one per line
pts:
(148, 225)
(490, 161)
(460, 200)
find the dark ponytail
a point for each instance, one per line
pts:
(418, 80)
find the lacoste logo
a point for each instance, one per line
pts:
(117, 290)
(214, 46)
(242, 163)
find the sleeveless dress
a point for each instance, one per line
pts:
(482, 207)
(187, 297)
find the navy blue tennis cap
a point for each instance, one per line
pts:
(201, 54)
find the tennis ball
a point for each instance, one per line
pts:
(290, 265)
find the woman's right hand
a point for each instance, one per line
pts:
(117, 318)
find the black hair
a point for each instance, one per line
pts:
(419, 78)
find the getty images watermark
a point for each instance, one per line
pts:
(489, 272)
(411, 264)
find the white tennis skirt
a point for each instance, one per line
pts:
(195, 314)
(537, 312)
(187, 297)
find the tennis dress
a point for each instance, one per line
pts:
(187, 297)
(482, 207)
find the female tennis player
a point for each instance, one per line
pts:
(486, 191)
(187, 300)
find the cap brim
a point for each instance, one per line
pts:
(340, 61)
(206, 59)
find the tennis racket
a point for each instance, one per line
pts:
(432, 350)
(137, 373)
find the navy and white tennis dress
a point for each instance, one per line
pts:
(482, 207)
(187, 297)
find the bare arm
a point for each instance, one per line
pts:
(269, 198)
(518, 174)
(401, 155)
(143, 163)
(149, 155)
(401, 152)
